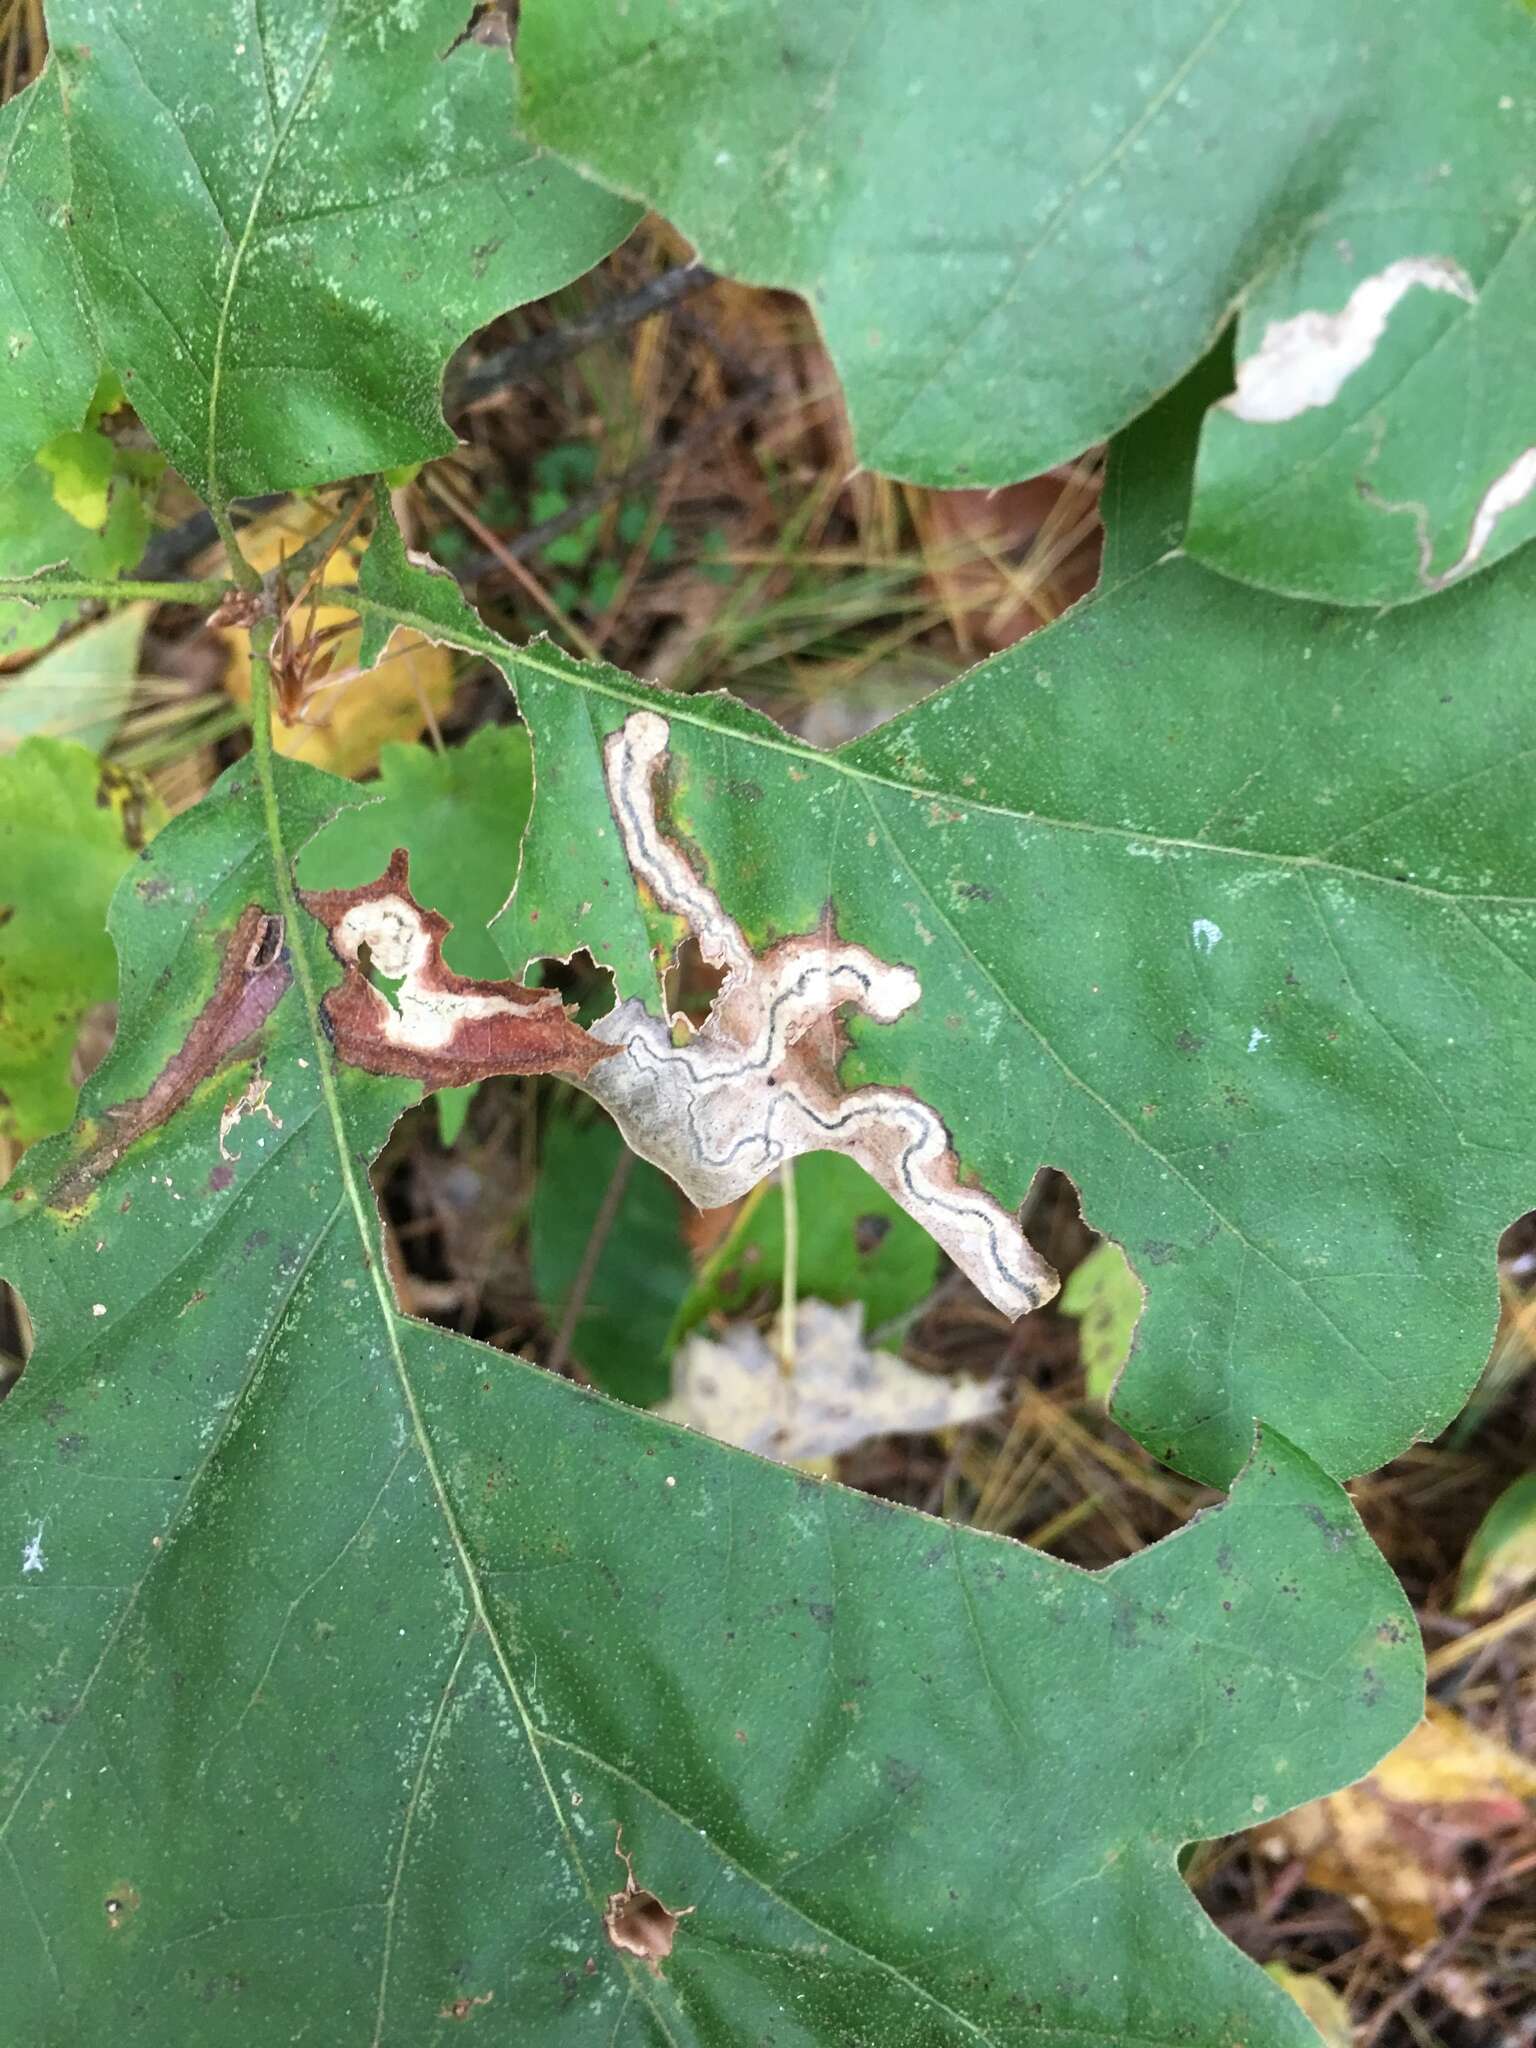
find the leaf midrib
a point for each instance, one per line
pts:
(237, 261)
(502, 652)
(354, 1200)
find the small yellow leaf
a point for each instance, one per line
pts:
(1445, 1759)
(80, 464)
(342, 723)
(1501, 1558)
(1319, 2001)
(1106, 1297)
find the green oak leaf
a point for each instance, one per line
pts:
(69, 826)
(1254, 977)
(289, 215)
(1017, 226)
(46, 343)
(79, 690)
(339, 1649)
(37, 533)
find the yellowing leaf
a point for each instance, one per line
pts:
(69, 826)
(1107, 1298)
(1447, 1761)
(1501, 1558)
(80, 689)
(80, 464)
(838, 1393)
(342, 724)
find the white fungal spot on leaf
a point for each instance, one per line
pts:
(1256, 1038)
(757, 1084)
(1305, 362)
(32, 1558)
(1206, 936)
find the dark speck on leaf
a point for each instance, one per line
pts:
(822, 1611)
(1156, 1252)
(870, 1232)
(1333, 1536)
(900, 1777)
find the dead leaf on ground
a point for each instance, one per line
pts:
(1004, 563)
(1394, 1844)
(840, 1393)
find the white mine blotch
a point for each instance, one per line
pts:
(424, 1016)
(1305, 362)
(251, 1101)
(1206, 936)
(1507, 490)
(756, 1085)
(32, 1558)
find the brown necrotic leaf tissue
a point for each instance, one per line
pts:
(435, 1026)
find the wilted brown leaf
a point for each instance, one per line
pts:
(1393, 1844)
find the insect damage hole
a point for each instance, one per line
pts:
(634, 1919)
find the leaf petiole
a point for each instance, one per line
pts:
(201, 591)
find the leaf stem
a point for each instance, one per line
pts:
(789, 1293)
(114, 590)
(240, 569)
(355, 1195)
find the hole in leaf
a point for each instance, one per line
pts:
(635, 1920)
(692, 982)
(386, 987)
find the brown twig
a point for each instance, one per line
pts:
(491, 376)
(505, 555)
(1433, 1959)
(602, 1224)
